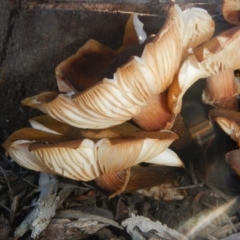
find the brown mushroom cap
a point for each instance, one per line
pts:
(156, 115)
(67, 132)
(84, 69)
(199, 27)
(231, 11)
(117, 100)
(85, 159)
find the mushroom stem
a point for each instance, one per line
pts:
(138, 177)
(221, 90)
(155, 115)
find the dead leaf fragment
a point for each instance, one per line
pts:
(140, 227)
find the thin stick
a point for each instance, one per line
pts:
(30, 183)
(9, 187)
(189, 186)
(8, 209)
(224, 215)
(192, 173)
(230, 223)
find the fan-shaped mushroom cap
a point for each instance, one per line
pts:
(219, 53)
(163, 54)
(17, 144)
(85, 159)
(107, 104)
(19, 152)
(231, 11)
(117, 100)
(199, 27)
(33, 135)
(84, 69)
(67, 132)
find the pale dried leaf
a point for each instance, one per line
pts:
(45, 207)
(233, 236)
(140, 228)
(164, 192)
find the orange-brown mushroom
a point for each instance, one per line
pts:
(231, 11)
(87, 159)
(117, 100)
(84, 69)
(218, 54)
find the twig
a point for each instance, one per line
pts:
(9, 187)
(196, 201)
(33, 185)
(192, 173)
(224, 215)
(219, 193)
(8, 209)
(230, 223)
(189, 186)
(207, 204)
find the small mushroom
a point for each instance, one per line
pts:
(229, 121)
(117, 100)
(86, 159)
(221, 90)
(231, 11)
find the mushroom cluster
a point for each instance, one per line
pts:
(86, 133)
